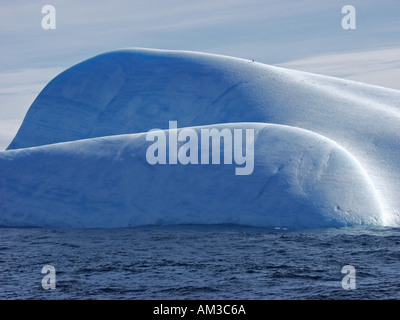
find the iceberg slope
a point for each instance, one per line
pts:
(300, 179)
(135, 90)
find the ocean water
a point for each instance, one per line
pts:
(200, 262)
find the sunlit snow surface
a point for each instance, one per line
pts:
(326, 150)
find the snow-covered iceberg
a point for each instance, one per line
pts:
(326, 150)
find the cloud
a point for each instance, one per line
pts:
(281, 29)
(8, 129)
(379, 67)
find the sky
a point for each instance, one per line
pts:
(304, 35)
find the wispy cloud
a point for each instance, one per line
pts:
(379, 67)
(8, 129)
(291, 29)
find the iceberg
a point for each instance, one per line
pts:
(326, 150)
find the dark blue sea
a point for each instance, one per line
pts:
(200, 262)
